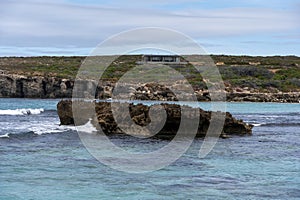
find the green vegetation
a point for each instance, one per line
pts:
(53, 66)
(262, 78)
(268, 61)
(260, 73)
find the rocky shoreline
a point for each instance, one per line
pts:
(139, 114)
(280, 97)
(35, 86)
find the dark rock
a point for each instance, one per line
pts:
(37, 86)
(154, 91)
(292, 97)
(20, 86)
(64, 111)
(139, 114)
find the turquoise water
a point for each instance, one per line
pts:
(42, 160)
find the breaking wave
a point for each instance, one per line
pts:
(36, 131)
(23, 111)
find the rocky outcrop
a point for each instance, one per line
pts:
(26, 86)
(158, 92)
(37, 86)
(291, 97)
(21, 86)
(139, 114)
(153, 91)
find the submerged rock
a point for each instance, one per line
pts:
(140, 116)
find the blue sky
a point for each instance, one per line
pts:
(75, 27)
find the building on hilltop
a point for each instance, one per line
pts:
(162, 59)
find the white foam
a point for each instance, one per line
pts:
(87, 128)
(24, 111)
(4, 136)
(256, 124)
(50, 128)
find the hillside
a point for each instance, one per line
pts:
(241, 74)
(255, 74)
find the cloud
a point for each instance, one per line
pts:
(43, 51)
(55, 24)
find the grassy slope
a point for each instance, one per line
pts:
(280, 72)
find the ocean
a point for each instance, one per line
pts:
(42, 160)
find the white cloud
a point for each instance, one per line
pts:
(40, 23)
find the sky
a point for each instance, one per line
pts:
(76, 27)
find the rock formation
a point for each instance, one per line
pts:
(140, 115)
(291, 97)
(36, 86)
(25, 86)
(21, 86)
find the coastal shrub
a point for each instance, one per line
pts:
(234, 72)
(295, 81)
(271, 83)
(245, 83)
(287, 73)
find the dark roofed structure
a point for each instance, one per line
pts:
(162, 59)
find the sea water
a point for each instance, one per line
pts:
(42, 160)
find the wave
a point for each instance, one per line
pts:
(282, 124)
(87, 128)
(23, 111)
(18, 135)
(39, 131)
(5, 136)
(256, 124)
(48, 129)
(285, 124)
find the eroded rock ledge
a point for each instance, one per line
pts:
(139, 114)
(36, 86)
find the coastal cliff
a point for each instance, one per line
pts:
(140, 115)
(22, 86)
(246, 78)
(36, 86)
